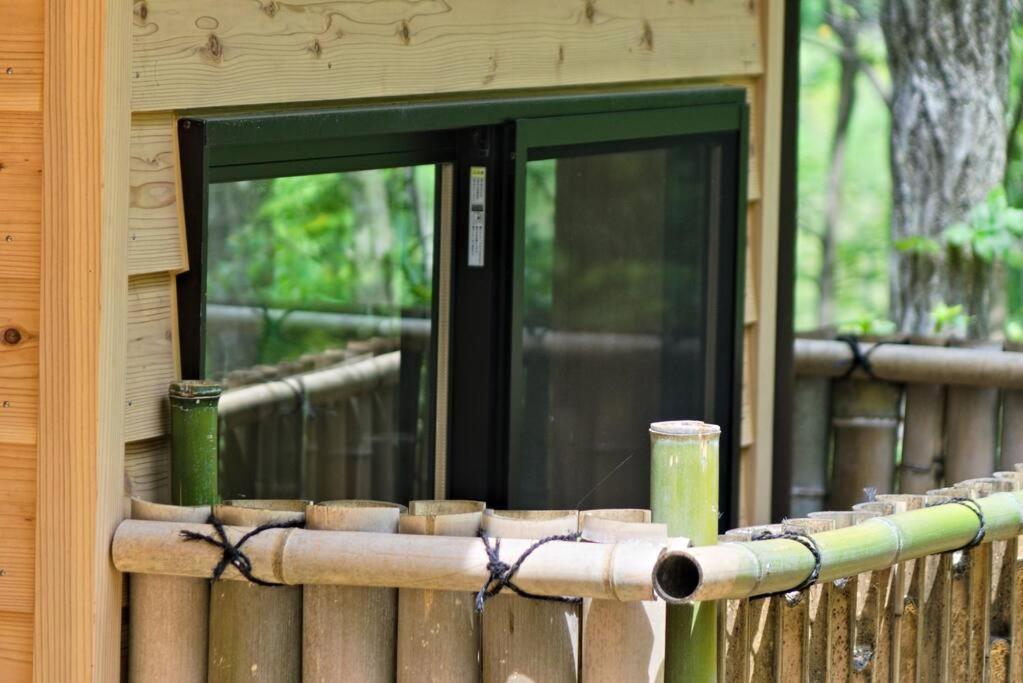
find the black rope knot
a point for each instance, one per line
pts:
(805, 540)
(861, 359)
(233, 554)
(502, 573)
(974, 507)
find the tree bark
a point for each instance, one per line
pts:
(846, 26)
(949, 63)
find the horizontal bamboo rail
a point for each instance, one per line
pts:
(352, 378)
(620, 571)
(914, 363)
(738, 570)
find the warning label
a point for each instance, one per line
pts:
(477, 215)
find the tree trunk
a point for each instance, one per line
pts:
(949, 63)
(847, 29)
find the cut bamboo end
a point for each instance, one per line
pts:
(533, 524)
(684, 430)
(443, 517)
(354, 515)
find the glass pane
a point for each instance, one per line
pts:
(318, 319)
(617, 273)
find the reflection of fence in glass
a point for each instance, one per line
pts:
(335, 427)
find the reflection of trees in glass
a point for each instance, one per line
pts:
(539, 250)
(357, 242)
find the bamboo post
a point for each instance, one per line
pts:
(439, 631)
(622, 641)
(1012, 422)
(1011, 592)
(923, 433)
(811, 440)
(256, 631)
(168, 615)
(194, 442)
(817, 600)
(865, 423)
(734, 639)
(842, 595)
(529, 639)
(906, 600)
(872, 643)
(348, 632)
(971, 425)
(684, 496)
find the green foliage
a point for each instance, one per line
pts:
(992, 232)
(866, 325)
(949, 319)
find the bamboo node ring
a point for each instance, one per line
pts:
(805, 540)
(974, 507)
(233, 554)
(502, 573)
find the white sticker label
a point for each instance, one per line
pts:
(477, 215)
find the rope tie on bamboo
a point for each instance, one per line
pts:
(502, 573)
(233, 554)
(860, 358)
(805, 540)
(971, 505)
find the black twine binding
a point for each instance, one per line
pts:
(805, 540)
(861, 359)
(233, 554)
(974, 507)
(502, 573)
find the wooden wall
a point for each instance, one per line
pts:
(193, 55)
(21, 164)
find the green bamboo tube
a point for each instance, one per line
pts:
(350, 624)
(684, 496)
(439, 631)
(256, 631)
(168, 615)
(194, 442)
(736, 570)
(622, 641)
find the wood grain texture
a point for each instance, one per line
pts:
(21, 165)
(152, 361)
(189, 53)
(156, 239)
(86, 124)
(147, 469)
(21, 55)
(15, 647)
(17, 528)
(19, 361)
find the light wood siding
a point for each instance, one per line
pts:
(21, 164)
(155, 236)
(193, 53)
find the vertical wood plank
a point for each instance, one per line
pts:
(86, 118)
(156, 238)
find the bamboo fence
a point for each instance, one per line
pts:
(907, 590)
(929, 411)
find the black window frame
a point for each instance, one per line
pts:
(465, 133)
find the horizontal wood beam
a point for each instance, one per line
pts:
(194, 53)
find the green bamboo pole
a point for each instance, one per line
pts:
(194, 442)
(739, 570)
(684, 495)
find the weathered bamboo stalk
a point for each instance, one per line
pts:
(736, 570)
(169, 615)
(684, 495)
(301, 556)
(923, 433)
(529, 639)
(811, 438)
(734, 635)
(817, 605)
(439, 631)
(871, 655)
(905, 600)
(194, 445)
(865, 424)
(971, 426)
(348, 632)
(622, 641)
(255, 631)
(907, 363)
